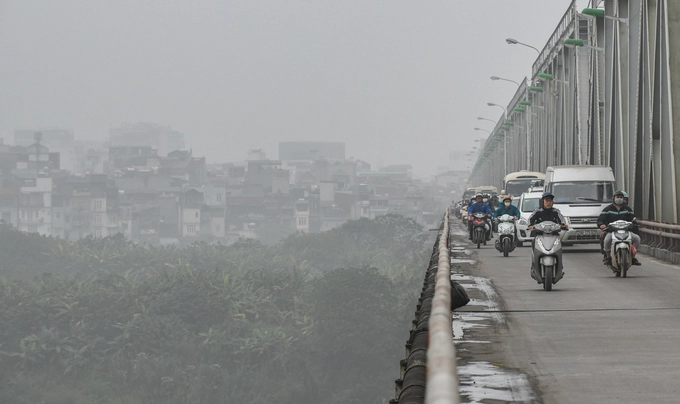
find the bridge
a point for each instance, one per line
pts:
(601, 92)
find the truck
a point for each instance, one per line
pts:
(514, 184)
(581, 192)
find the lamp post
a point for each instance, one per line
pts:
(513, 41)
(495, 78)
(505, 112)
(579, 43)
(505, 149)
(479, 118)
(529, 135)
(598, 12)
(550, 77)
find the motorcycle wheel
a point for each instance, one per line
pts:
(623, 264)
(479, 242)
(506, 246)
(547, 279)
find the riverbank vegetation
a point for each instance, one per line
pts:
(316, 318)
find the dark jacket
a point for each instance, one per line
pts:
(546, 215)
(611, 214)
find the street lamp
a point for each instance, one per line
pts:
(485, 130)
(512, 41)
(505, 144)
(494, 78)
(598, 12)
(550, 77)
(579, 42)
(486, 119)
(505, 113)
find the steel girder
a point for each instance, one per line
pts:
(610, 102)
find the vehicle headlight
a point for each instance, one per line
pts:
(523, 222)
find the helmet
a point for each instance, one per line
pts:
(625, 194)
(507, 198)
(619, 192)
(478, 195)
(547, 195)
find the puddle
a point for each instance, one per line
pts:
(484, 381)
(463, 261)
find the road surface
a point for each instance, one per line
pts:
(594, 338)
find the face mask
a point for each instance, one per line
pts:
(484, 200)
(618, 201)
(507, 204)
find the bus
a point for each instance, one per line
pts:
(515, 184)
(468, 194)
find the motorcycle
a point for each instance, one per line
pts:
(546, 256)
(464, 213)
(622, 247)
(479, 228)
(505, 242)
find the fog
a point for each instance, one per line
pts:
(400, 82)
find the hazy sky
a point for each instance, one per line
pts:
(398, 81)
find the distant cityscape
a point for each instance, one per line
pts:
(145, 184)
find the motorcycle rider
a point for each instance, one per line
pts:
(546, 214)
(479, 207)
(507, 208)
(616, 211)
(488, 199)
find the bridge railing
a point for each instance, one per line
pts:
(660, 235)
(428, 374)
(442, 377)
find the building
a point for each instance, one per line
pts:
(161, 138)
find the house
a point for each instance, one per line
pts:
(191, 203)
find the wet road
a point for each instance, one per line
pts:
(594, 339)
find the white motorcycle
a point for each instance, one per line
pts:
(622, 247)
(505, 242)
(546, 256)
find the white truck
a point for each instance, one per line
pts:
(581, 192)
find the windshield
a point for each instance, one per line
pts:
(583, 192)
(517, 187)
(530, 204)
(468, 194)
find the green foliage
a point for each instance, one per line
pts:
(314, 319)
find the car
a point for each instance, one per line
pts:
(528, 203)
